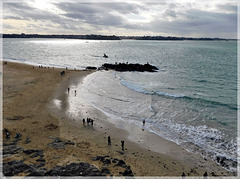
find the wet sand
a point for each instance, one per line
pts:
(35, 104)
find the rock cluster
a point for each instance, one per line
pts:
(59, 144)
(36, 168)
(107, 160)
(15, 167)
(75, 169)
(130, 67)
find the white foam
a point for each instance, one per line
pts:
(121, 100)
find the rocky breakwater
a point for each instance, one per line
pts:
(130, 67)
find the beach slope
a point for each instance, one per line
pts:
(37, 138)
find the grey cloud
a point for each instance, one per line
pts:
(228, 7)
(97, 19)
(170, 13)
(97, 14)
(25, 12)
(12, 17)
(6, 26)
(16, 6)
(79, 7)
(103, 15)
(195, 22)
(123, 8)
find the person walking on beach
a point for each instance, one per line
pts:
(205, 175)
(143, 121)
(84, 122)
(68, 90)
(109, 140)
(75, 92)
(183, 175)
(122, 144)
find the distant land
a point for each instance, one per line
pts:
(105, 37)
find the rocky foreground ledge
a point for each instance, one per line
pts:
(37, 166)
(130, 67)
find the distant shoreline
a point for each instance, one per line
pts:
(112, 37)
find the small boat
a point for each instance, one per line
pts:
(105, 56)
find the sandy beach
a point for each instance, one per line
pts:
(30, 107)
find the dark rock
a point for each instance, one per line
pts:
(69, 143)
(98, 158)
(18, 135)
(130, 67)
(234, 164)
(106, 161)
(121, 152)
(51, 126)
(27, 140)
(91, 68)
(115, 160)
(37, 172)
(40, 165)
(128, 172)
(41, 160)
(59, 144)
(11, 149)
(121, 163)
(35, 153)
(222, 162)
(15, 140)
(75, 169)
(106, 171)
(213, 174)
(7, 133)
(16, 118)
(28, 152)
(14, 167)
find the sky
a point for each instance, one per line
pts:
(181, 18)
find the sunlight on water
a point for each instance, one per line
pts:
(62, 41)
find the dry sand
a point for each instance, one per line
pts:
(28, 96)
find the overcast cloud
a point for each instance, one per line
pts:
(187, 18)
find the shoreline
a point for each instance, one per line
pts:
(42, 123)
(147, 140)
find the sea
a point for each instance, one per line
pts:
(191, 100)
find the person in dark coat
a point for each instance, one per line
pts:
(122, 144)
(109, 140)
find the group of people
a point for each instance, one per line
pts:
(89, 120)
(122, 142)
(75, 91)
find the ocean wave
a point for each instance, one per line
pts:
(141, 89)
(135, 87)
(205, 101)
(212, 143)
(169, 95)
(15, 60)
(207, 141)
